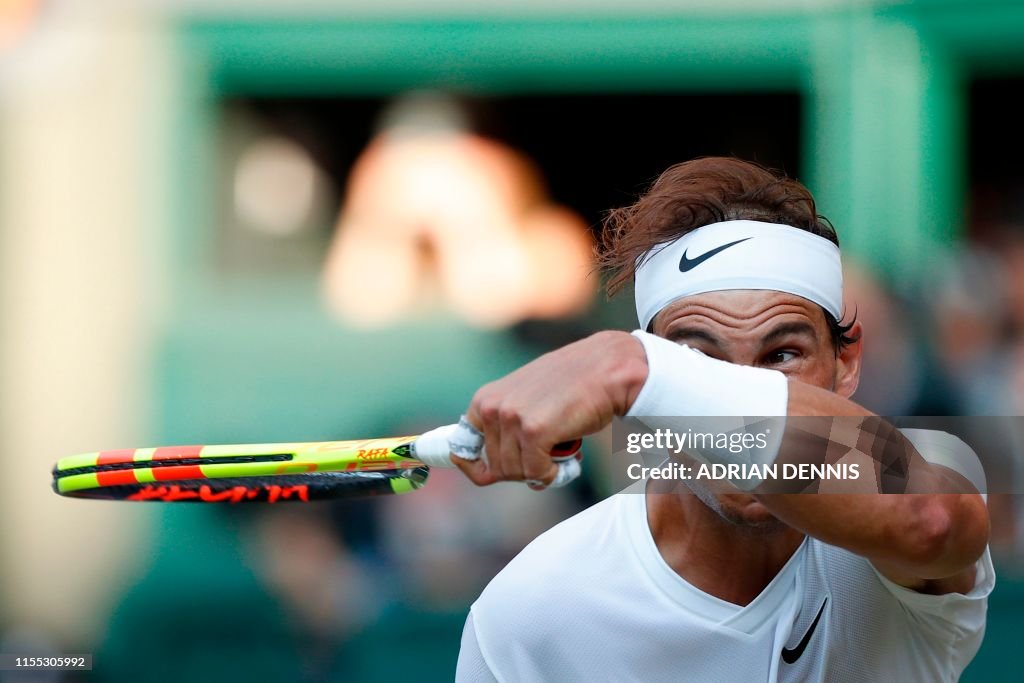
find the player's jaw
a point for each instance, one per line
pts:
(740, 510)
(765, 329)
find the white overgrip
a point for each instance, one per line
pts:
(462, 440)
(435, 448)
(431, 448)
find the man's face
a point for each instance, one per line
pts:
(763, 329)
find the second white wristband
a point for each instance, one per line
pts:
(683, 384)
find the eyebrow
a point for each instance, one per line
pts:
(790, 329)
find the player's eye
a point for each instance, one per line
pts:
(781, 356)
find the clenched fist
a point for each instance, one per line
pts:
(563, 395)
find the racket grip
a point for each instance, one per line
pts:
(437, 447)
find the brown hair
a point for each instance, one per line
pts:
(697, 193)
(701, 192)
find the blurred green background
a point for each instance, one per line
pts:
(174, 178)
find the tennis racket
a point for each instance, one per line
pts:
(279, 472)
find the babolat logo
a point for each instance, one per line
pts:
(235, 494)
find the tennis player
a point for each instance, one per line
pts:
(739, 297)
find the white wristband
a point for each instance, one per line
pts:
(684, 383)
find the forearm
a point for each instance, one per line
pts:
(824, 428)
(918, 532)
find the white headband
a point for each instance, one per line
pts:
(740, 255)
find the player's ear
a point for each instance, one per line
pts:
(848, 363)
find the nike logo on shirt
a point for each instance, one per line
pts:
(686, 264)
(790, 656)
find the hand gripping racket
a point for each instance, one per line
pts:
(279, 472)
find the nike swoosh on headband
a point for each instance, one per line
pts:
(687, 264)
(790, 656)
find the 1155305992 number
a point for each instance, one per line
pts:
(15, 662)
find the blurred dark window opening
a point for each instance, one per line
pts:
(995, 150)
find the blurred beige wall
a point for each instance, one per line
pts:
(80, 129)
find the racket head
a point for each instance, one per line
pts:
(244, 473)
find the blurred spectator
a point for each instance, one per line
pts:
(967, 302)
(899, 376)
(431, 205)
